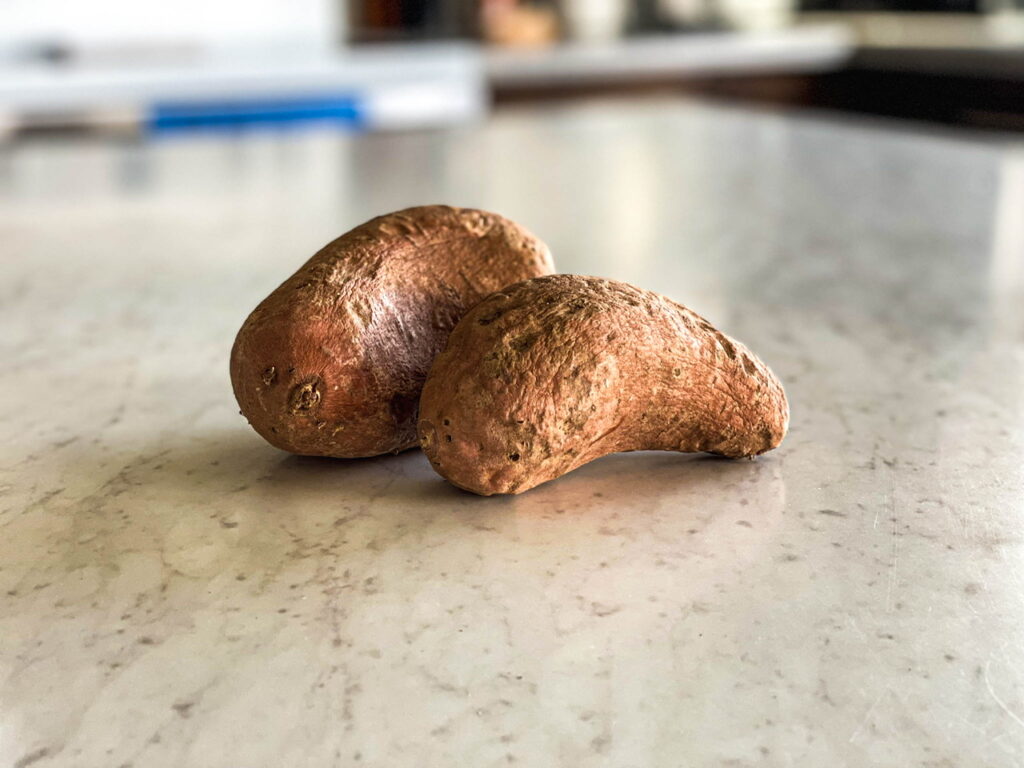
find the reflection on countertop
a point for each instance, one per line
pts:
(175, 592)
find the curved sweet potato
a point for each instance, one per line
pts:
(554, 372)
(331, 363)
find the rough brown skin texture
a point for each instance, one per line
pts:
(332, 362)
(553, 372)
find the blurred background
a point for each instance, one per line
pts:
(364, 65)
(838, 183)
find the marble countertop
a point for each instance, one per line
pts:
(174, 592)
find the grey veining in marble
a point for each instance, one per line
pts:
(174, 592)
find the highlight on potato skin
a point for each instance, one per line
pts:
(332, 362)
(553, 372)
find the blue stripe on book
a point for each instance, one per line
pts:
(167, 117)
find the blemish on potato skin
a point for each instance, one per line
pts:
(404, 407)
(523, 343)
(488, 319)
(304, 397)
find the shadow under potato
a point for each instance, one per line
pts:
(218, 505)
(206, 468)
(407, 482)
(233, 480)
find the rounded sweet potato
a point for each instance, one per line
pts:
(332, 362)
(548, 374)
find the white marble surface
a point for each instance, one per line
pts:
(174, 592)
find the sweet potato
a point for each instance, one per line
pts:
(553, 372)
(331, 363)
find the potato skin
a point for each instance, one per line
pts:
(553, 372)
(332, 362)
